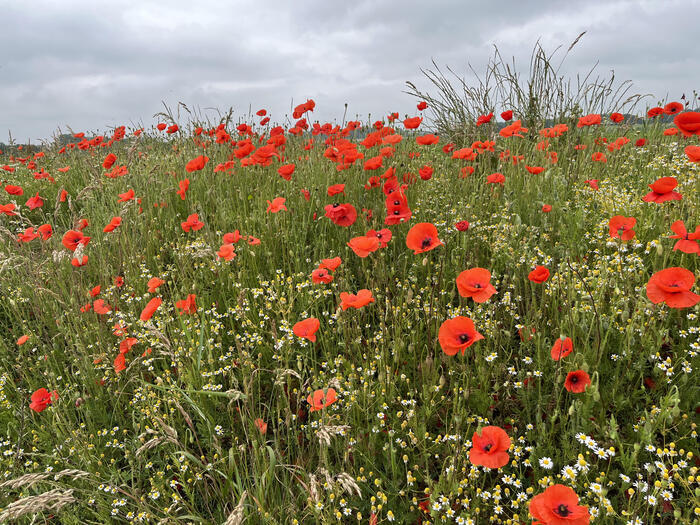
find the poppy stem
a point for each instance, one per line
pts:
(595, 310)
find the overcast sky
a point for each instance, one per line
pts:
(94, 65)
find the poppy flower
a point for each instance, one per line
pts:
(413, 122)
(426, 172)
(546, 208)
(150, 308)
(422, 105)
(535, 170)
(35, 202)
(384, 236)
(321, 276)
(154, 283)
(640, 142)
(475, 283)
(335, 189)
(672, 286)
(577, 381)
(79, 262)
(321, 399)
(539, 275)
(593, 183)
(46, 231)
(197, 163)
(363, 246)
(252, 241)
(427, 140)
(41, 399)
(331, 264)
(232, 237)
(693, 153)
(620, 227)
(306, 194)
(507, 115)
(72, 238)
(422, 237)
(484, 119)
(126, 196)
(341, 214)
(462, 226)
(285, 171)
(192, 223)
(109, 161)
(662, 191)
(226, 252)
(496, 178)
(456, 334)
(28, 235)
(307, 328)
(558, 505)
(183, 186)
(562, 347)
(672, 108)
(490, 448)
(188, 305)
(655, 112)
(113, 225)
(688, 123)
(161, 126)
(617, 117)
(589, 120)
(100, 307)
(687, 241)
(14, 190)
(349, 300)
(22, 339)
(276, 205)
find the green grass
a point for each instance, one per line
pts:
(172, 438)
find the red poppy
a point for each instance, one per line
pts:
(232, 237)
(348, 300)
(113, 225)
(655, 112)
(558, 505)
(507, 115)
(35, 202)
(321, 399)
(593, 183)
(617, 117)
(109, 161)
(462, 226)
(285, 171)
(192, 223)
(335, 189)
(261, 426)
(672, 108)
(620, 227)
(546, 208)
(640, 142)
(427, 140)
(384, 236)
(562, 347)
(496, 178)
(226, 252)
(413, 122)
(126, 196)
(197, 163)
(22, 339)
(79, 262)
(397, 210)
(490, 448)
(426, 172)
(321, 276)
(341, 214)
(539, 275)
(154, 283)
(331, 264)
(484, 119)
(100, 307)
(276, 205)
(28, 235)
(161, 126)
(422, 105)
(475, 283)
(150, 308)
(688, 123)
(662, 191)
(672, 286)
(577, 381)
(693, 153)
(457, 334)
(535, 170)
(14, 190)
(183, 185)
(41, 399)
(363, 246)
(589, 120)
(687, 242)
(188, 305)
(72, 238)
(599, 157)
(422, 237)
(306, 194)
(307, 328)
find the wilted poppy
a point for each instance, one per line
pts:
(307, 328)
(475, 283)
(456, 334)
(490, 448)
(558, 505)
(672, 286)
(577, 381)
(422, 237)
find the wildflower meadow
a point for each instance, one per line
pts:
(372, 322)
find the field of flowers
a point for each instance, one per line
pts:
(356, 323)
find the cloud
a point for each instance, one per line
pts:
(94, 65)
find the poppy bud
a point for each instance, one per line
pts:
(425, 261)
